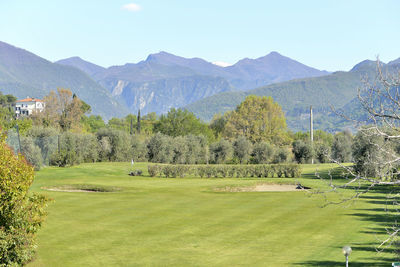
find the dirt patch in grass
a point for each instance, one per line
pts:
(263, 188)
(85, 188)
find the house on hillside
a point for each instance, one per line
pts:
(27, 106)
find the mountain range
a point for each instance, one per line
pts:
(337, 91)
(163, 81)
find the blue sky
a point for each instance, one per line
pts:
(331, 35)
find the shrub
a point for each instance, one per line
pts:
(87, 147)
(21, 214)
(341, 147)
(302, 151)
(138, 149)
(180, 150)
(119, 143)
(31, 152)
(153, 170)
(221, 151)
(262, 153)
(160, 148)
(46, 138)
(279, 170)
(201, 171)
(241, 171)
(68, 152)
(322, 152)
(370, 152)
(242, 149)
(197, 150)
(282, 155)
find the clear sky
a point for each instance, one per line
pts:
(326, 34)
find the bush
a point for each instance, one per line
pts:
(87, 147)
(371, 152)
(197, 149)
(46, 139)
(242, 149)
(138, 149)
(262, 153)
(160, 149)
(282, 155)
(119, 144)
(180, 150)
(240, 171)
(302, 151)
(68, 151)
(322, 152)
(31, 152)
(341, 147)
(221, 152)
(153, 170)
(21, 214)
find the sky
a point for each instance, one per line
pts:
(328, 35)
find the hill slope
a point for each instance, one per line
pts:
(25, 74)
(296, 96)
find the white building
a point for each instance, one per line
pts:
(27, 106)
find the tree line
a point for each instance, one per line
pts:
(254, 133)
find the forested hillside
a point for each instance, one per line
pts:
(296, 96)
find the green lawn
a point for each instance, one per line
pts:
(184, 222)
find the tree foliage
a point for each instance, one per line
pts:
(180, 122)
(258, 119)
(21, 214)
(63, 109)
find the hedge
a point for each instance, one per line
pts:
(224, 171)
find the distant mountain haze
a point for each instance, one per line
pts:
(81, 64)
(337, 89)
(164, 81)
(176, 81)
(25, 74)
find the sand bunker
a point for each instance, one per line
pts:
(69, 190)
(263, 188)
(82, 188)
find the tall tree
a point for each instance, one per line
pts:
(138, 123)
(179, 122)
(258, 119)
(63, 109)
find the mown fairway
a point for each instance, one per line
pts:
(184, 222)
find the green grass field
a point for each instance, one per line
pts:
(184, 222)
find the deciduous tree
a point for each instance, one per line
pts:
(258, 119)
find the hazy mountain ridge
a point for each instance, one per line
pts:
(163, 81)
(24, 74)
(337, 89)
(131, 82)
(81, 64)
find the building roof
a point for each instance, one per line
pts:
(29, 99)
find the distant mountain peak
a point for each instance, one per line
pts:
(274, 53)
(365, 65)
(394, 62)
(160, 54)
(81, 64)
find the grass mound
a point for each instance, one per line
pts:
(82, 188)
